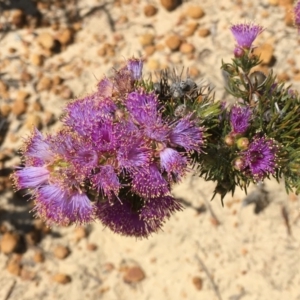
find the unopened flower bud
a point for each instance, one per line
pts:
(229, 140)
(242, 143)
(238, 52)
(239, 164)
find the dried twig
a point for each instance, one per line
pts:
(286, 219)
(213, 284)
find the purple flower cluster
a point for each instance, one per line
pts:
(115, 159)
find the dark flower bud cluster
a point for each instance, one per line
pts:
(121, 148)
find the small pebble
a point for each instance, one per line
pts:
(146, 39)
(9, 242)
(46, 40)
(38, 257)
(150, 10)
(19, 107)
(195, 12)
(61, 278)
(170, 5)
(61, 252)
(134, 274)
(187, 48)
(80, 233)
(37, 59)
(173, 42)
(198, 283)
(203, 32)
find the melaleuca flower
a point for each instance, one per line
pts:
(240, 117)
(133, 153)
(104, 136)
(84, 115)
(173, 163)
(148, 182)
(260, 159)
(143, 107)
(297, 15)
(56, 182)
(185, 133)
(134, 216)
(106, 181)
(59, 206)
(245, 33)
(135, 66)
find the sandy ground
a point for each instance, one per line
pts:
(204, 252)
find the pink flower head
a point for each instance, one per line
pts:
(260, 159)
(246, 33)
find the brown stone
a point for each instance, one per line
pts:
(195, 12)
(3, 87)
(147, 39)
(32, 238)
(134, 274)
(296, 77)
(46, 40)
(14, 266)
(61, 252)
(274, 2)
(22, 95)
(283, 77)
(37, 106)
(187, 48)
(19, 107)
(150, 10)
(49, 118)
(198, 283)
(66, 93)
(44, 83)
(57, 80)
(77, 26)
(37, 59)
(149, 50)
(173, 42)
(190, 29)
(80, 233)
(65, 37)
(266, 53)
(38, 257)
(153, 64)
(18, 18)
(194, 71)
(203, 32)
(61, 278)
(9, 242)
(286, 2)
(5, 110)
(33, 120)
(25, 76)
(170, 5)
(92, 247)
(289, 17)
